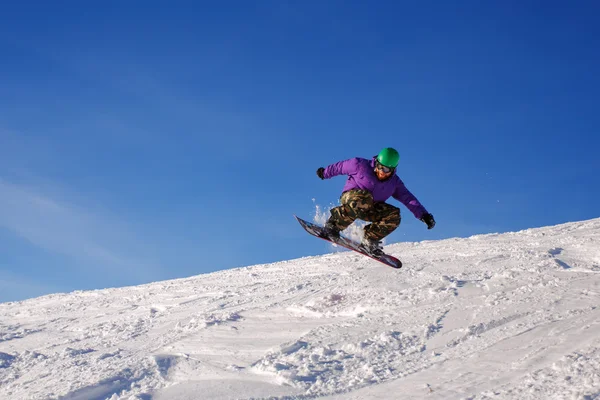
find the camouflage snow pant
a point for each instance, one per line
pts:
(358, 204)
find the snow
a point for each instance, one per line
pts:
(498, 316)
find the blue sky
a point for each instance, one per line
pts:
(141, 142)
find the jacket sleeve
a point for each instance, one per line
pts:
(346, 167)
(403, 195)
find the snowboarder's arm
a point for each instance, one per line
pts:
(403, 195)
(346, 167)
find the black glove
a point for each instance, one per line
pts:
(320, 172)
(428, 219)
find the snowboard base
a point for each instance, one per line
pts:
(321, 233)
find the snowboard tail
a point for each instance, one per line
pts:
(321, 233)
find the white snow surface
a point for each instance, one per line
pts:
(497, 316)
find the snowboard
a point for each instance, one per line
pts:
(320, 232)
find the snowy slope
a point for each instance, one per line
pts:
(502, 316)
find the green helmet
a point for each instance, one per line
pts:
(388, 157)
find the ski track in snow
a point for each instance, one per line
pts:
(498, 316)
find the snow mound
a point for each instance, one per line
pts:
(510, 316)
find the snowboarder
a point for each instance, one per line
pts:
(370, 183)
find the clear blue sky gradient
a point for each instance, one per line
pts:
(142, 141)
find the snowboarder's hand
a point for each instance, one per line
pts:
(428, 219)
(320, 173)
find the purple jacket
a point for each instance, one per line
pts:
(361, 175)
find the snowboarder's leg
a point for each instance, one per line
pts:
(385, 219)
(356, 204)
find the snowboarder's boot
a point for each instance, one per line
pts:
(332, 230)
(372, 246)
